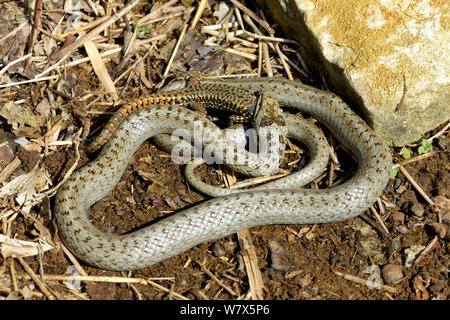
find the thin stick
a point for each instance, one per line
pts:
(281, 56)
(56, 277)
(160, 287)
(131, 68)
(13, 63)
(54, 66)
(283, 62)
(430, 139)
(175, 50)
(380, 221)
(12, 269)
(14, 31)
(103, 54)
(416, 186)
(426, 250)
(51, 35)
(414, 159)
(241, 53)
(86, 26)
(246, 10)
(32, 38)
(256, 180)
(36, 279)
(13, 165)
(265, 50)
(89, 36)
(28, 81)
(364, 281)
(441, 132)
(260, 58)
(163, 18)
(155, 13)
(198, 14)
(251, 264)
(220, 283)
(73, 259)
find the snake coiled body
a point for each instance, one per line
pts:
(221, 216)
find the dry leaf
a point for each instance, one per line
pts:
(22, 120)
(19, 248)
(25, 186)
(369, 241)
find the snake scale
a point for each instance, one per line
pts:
(218, 217)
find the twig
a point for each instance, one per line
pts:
(414, 159)
(364, 281)
(103, 54)
(246, 10)
(13, 165)
(426, 250)
(72, 259)
(283, 62)
(256, 180)
(51, 35)
(251, 264)
(14, 62)
(12, 270)
(416, 186)
(265, 50)
(14, 31)
(108, 279)
(36, 279)
(89, 36)
(198, 13)
(131, 68)
(175, 50)
(246, 55)
(220, 283)
(160, 287)
(281, 56)
(441, 132)
(32, 38)
(85, 27)
(380, 221)
(430, 139)
(28, 81)
(144, 20)
(375, 225)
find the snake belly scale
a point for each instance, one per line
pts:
(221, 216)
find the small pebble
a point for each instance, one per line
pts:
(278, 257)
(391, 273)
(7, 148)
(418, 209)
(442, 230)
(397, 183)
(446, 218)
(229, 246)
(398, 216)
(218, 249)
(393, 248)
(403, 230)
